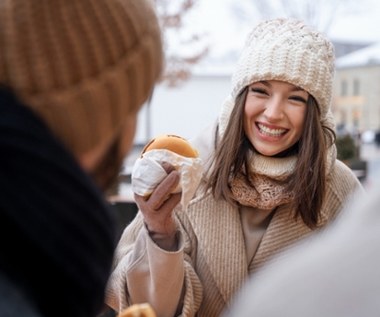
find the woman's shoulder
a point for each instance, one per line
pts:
(343, 171)
(342, 184)
(342, 180)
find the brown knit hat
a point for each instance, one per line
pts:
(83, 65)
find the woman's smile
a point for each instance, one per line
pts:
(270, 131)
(274, 115)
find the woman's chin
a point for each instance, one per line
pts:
(268, 149)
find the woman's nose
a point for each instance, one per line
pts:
(274, 109)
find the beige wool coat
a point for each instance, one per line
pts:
(212, 262)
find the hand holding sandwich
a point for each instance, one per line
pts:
(161, 180)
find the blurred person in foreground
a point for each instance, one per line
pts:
(334, 273)
(271, 178)
(73, 75)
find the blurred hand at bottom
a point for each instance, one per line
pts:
(138, 310)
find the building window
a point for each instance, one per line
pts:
(355, 117)
(343, 88)
(356, 87)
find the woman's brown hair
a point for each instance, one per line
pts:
(308, 181)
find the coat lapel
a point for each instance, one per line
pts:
(220, 242)
(282, 231)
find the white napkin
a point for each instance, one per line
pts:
(147, 173)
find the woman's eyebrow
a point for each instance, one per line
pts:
(267, 83)
(264, 82)
(296, 88)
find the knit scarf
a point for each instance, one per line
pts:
(267, 184)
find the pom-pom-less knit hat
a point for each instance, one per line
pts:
(285, 50)
(81, 65)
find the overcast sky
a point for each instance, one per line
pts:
(224, 32)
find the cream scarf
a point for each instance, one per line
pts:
(268, 176)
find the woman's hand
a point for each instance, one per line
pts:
(157, 210)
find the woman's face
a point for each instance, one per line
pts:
(274, 115)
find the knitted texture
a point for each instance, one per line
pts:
(266, 194)
(83, 66)
(269, 176)
(285, 50)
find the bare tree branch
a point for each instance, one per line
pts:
(178, 65)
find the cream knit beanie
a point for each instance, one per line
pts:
(83, 65)
(286, 50)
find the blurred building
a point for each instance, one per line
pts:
(343, 48)
(356, 103)
(188, 108)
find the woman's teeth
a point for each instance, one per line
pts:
(270, 132)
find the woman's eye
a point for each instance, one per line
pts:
(298, 99)
(258, 90)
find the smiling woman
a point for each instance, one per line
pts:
(274, 116)
(270, 179)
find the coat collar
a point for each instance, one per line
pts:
(283, 230)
